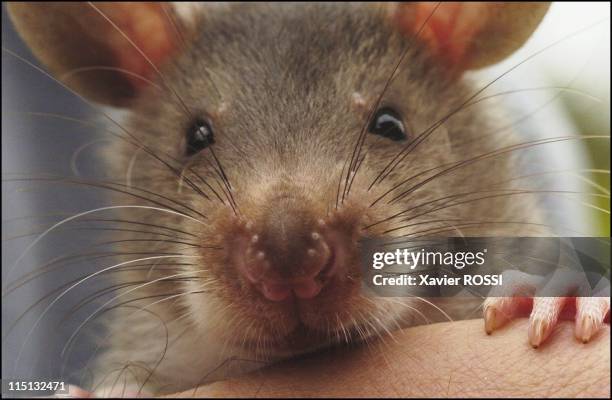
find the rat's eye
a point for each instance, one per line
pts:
(199, 137)
(388, 123)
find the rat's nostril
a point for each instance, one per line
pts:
(302, 275)
(290, 249)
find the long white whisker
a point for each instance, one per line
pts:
(435, 306)
(93, 314)
(61, 295)
(60, 223)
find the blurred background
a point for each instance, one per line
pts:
(563, 91)
(576, 70)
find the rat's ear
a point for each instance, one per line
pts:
(86, 45)
(470, 35)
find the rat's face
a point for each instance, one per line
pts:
(296, 152)
(286, 137)
(268, 135)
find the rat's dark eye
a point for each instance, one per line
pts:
(388, 123)
(199, 137)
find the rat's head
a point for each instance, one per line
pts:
(292, 133)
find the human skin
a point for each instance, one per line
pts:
(453, 359)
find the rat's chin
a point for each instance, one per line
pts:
(297, 326)
(304, 339)
(301, 339)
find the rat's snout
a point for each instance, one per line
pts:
(289, 250)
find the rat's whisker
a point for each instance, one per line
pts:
(130, 168)
(510, 192)
(81, 214)
(70, 73)
(100, 229)
(491, 154)
(139, 147)
(93, 296)
(362, 134)
(114, 298)
(504, 192)
(171, 231)
(75, 156)
(61, 295)
(67, 260)
(572, 173)
(139, 50)
(116, 187)
(561, 89)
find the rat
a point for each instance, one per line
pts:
(270, 140)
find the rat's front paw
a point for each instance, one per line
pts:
(590, 313)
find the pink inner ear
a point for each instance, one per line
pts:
(450, 27)
(148, 28)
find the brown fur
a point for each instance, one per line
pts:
(277, 84)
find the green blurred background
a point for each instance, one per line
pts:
(590, 118)
(580, 62)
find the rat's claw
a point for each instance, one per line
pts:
(590, 314)
(497, 312)
(543, 319)
(491, 319)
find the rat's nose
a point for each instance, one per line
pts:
(288, 252)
